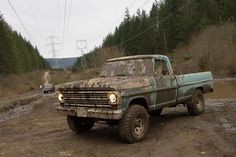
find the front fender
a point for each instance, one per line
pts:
(146, 100)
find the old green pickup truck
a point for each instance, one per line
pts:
(128, 90)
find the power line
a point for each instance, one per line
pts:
(132, 4)
(58, 20)
(116, 20)
(154, 25)
(64, 25)
(145, 3)
(68, 21)
(34, 17)
(18, 17)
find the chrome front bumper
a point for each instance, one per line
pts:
(101, 113)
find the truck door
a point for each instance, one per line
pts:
(166, 85)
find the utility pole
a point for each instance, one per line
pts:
(81, 46)
(53, 49)
(164, 36)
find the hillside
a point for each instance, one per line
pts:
(17, 54)
(213, 49)
(63, 63)
(170, 24)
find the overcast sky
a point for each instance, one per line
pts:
(85, 19)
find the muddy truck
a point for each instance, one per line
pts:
(128, 91)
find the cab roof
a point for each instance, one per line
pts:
(138, 57)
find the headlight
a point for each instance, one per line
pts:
(112, 98)
(60, 97)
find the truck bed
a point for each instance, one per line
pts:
(189, 82)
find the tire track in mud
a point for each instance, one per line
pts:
(15, 108)
(16, 112)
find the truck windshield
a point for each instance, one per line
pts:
(132, 67)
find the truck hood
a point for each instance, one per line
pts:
(117, 83)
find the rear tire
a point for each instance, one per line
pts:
(197, 104)
(79, 124)
(134, 125)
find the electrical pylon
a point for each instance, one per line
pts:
(81, 46)
(53, 49)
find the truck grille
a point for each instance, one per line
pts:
(86, 98)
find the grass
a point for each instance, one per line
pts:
(19, 83)
(15, 84)
(213, 49)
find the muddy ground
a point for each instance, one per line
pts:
(39, 131)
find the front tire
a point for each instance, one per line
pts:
(197, 104)
(134, 125)
(79, 124)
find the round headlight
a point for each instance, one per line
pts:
(60, 97)
(112, 98)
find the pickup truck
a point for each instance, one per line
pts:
(47, 88)
(128, 90)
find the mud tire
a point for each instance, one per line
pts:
(79, 124)
(157, 112)
(197, 104)
(133, 127)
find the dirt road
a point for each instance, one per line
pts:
(42, 132)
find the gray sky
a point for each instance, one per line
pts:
(87, 19)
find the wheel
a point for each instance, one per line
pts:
(157, 112)
(134, 125)
(79, 124)
(197, 104)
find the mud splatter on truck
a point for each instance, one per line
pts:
(128, 90)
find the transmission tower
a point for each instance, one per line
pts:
(81, 47)
(53, 49)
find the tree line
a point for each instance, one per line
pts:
(17, 55)
(170, 23)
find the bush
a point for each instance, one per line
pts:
(203, 62)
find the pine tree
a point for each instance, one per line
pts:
(17, 55)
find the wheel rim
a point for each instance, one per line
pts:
(199, 103)
(139, 126)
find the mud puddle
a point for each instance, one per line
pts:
(16, 112)
(19, 108)
(223, 89)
